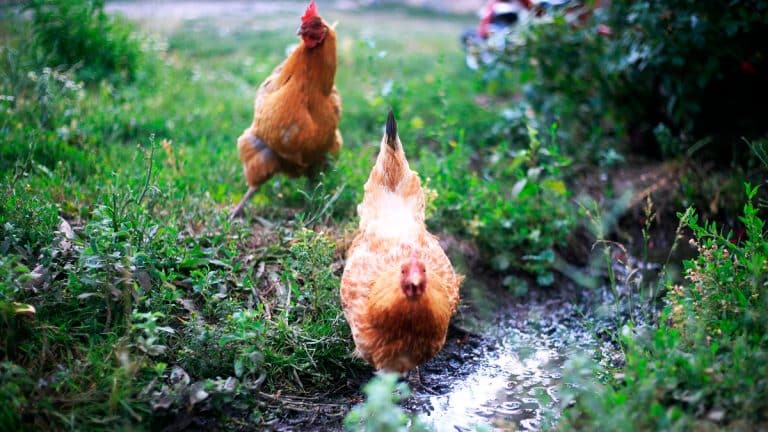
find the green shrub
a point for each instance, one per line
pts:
(516, 206)
(563, 75)
(79, 33)
(673, 78)
(698, 68)
(706, 363)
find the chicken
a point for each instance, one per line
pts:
(296, 112)
(398, 289)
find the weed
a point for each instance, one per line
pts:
(704, 365)
(380, 411)
(499, 204)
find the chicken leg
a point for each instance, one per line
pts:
(237, 210)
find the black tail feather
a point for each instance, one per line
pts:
(391, 130)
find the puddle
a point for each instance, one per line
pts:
(507, 390)
(510, 380)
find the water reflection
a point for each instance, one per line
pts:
(514, 386)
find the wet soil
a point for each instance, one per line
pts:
(508, 375)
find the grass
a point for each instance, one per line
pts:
(153, 303)
(149, 304)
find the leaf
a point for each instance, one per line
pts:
(219, 263)
(239, 367)
(555, 185)
(545, 279)
(518, 187)
(534, 173)
(23, 309)
(501, 262)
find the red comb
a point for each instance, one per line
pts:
(310, 13)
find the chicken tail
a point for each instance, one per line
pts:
(391, 131)
(393, 191)
(392, 165)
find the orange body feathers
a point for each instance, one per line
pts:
(399, 290)
(296, 111)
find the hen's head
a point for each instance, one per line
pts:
(413, 278)
(313, 29)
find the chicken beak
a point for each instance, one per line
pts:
(415, 279)
(300, 31)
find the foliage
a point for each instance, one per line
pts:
(562, 71)
(309, 337)
(662, 44)
(704, 366)
(27, 222)
(380, 412)
(516, 206)
(672, 78)
(79, 33)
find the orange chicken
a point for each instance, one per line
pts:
(399, 290)
(296, 112)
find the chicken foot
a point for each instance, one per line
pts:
(237, 211)
(414, 379)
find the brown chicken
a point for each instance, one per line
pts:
(399, 289)
(296, 112)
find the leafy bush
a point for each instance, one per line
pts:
(78, 32)
(516, 207)
(696, 67)
(563, 75)
(707, 362)
(670, 77)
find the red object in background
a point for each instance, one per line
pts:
(485, 21)
(747, 67)
(604, 30)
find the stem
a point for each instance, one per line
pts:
(612, 280)
(149, 169)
